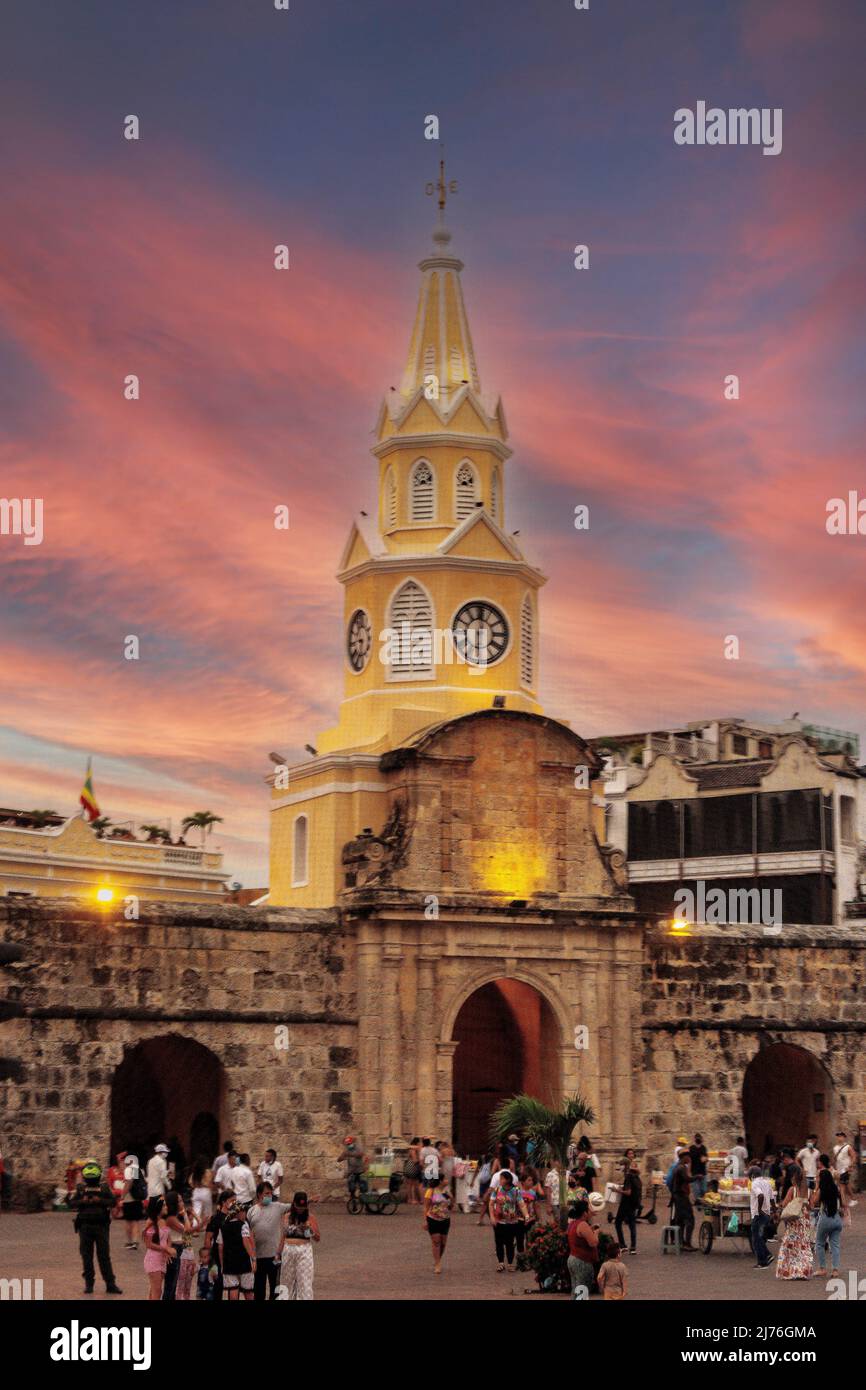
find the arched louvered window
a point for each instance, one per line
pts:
(494, 496)
(429, 359)
(423, 506)
(390, 500)
(465, 490)
(300, 850)
(527, 644)
(456, 364)
(411, 624)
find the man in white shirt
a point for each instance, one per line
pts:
(761, 1203)
(270, 1170)
(739, 1154)
(157, 1172)
(808, 1160)
(241, 1180)
(843, 1159)
(551, 1187)
(221, 1160)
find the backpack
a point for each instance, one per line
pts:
(138, 1188)
(669, 1176)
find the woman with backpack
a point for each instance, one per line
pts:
(827, 1198)
(132, 1199)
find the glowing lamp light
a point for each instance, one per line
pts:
(680, 927)
(105, 895)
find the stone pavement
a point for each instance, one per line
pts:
(388, 1257)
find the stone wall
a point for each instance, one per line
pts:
(714, 1000)
(90, 986)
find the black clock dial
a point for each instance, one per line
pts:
(359, 639)
(480, 633)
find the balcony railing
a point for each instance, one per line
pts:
(698, 749)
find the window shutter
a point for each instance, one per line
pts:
(465, 489)
(527, 644)
(423, 501)
(412, 621)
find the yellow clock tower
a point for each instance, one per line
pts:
(440, 608)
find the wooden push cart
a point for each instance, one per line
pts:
(715, 1220)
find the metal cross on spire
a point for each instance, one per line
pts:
(443, 188)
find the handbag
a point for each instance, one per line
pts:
(793, 1210)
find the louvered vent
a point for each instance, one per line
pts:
(423, 503)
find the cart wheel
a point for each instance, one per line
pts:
(372, 1208)
(389, 1206)
(651, 1218)
(354, 1205)
(705, 1238)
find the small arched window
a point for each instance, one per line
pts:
(527, 644)
(390, 500)
(410, 652)
(300, 850)
(465, 491)
(421, 489)
(494, 495)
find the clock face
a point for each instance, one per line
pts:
(480, 633)
(359, 639)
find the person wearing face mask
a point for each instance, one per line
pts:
(808, 1161)
(265, 1219)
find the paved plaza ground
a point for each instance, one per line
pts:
(388, 1257)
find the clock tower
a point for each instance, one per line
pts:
(440, 607)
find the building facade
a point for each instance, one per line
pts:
(69, 857)
(455, 915)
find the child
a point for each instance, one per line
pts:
(157, 1246)
(613, 1275)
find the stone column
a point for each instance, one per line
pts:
(622, 1051)
(589, 1060)
(367, 1100)
(391, 1113)
(425, 1022)
(444, 1088)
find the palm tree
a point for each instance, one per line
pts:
(154, 833)
(549, 1130)
(100, 825)
(41, 818)
(201, 820)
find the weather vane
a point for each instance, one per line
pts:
(442, 187)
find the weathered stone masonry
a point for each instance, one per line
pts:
(675, 1023)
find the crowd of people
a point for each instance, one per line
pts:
(519, 1196)
(798, 1197)
(254, 1246)
(221, 1229)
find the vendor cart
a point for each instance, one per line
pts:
(716, 1219)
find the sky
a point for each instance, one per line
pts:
(260, 388)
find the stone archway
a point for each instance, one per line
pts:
(507, 1040)
(787, 1094)
(167, 1087)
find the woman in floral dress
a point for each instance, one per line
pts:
(795, 1252)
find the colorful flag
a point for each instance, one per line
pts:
(87, 799)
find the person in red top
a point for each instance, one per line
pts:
(582, 1250)
(116, 1181)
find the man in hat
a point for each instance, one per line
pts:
(157, 1172)
(356, 1164)
(92, 1203)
